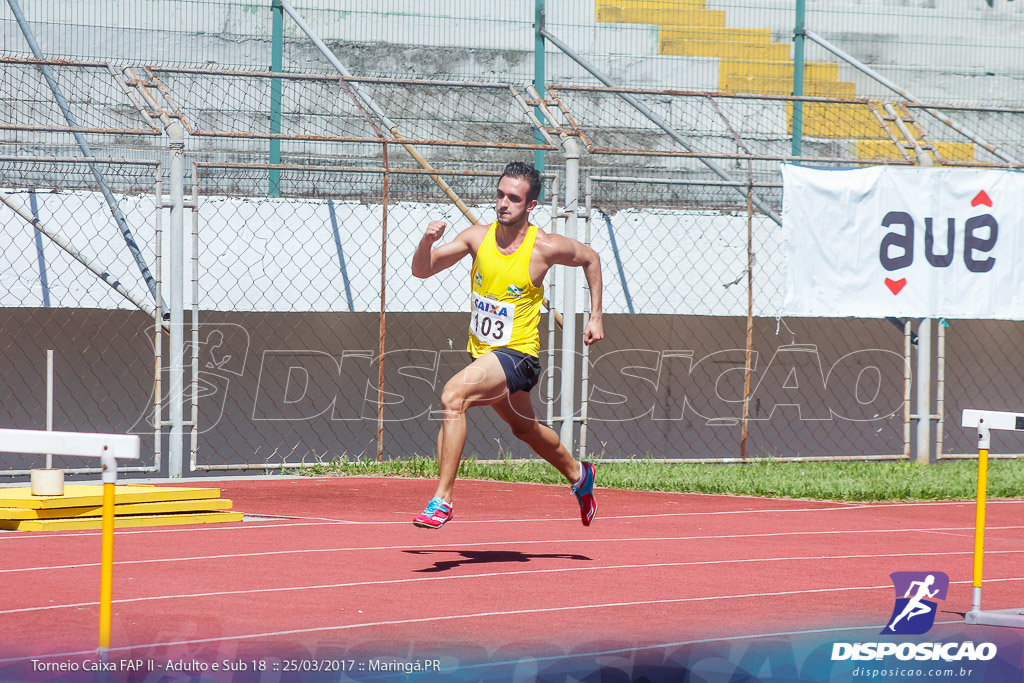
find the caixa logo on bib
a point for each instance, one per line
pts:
(980, 233)
(917, 594)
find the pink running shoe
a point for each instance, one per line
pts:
(437, 513)
(584, 492)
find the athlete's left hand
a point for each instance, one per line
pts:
(594, 331)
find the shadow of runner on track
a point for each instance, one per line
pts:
(487, 557)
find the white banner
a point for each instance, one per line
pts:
(904, 242)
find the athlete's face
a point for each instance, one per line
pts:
(511, 206)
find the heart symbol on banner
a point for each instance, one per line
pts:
(895, 286)
(981, 198)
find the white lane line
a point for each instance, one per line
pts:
(970, 534)
(380, 582)
(475, 615)
(328, 521)
(506, 543)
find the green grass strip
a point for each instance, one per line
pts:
(840, 480)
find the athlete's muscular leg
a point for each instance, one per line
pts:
(480, 383)
(517, 410)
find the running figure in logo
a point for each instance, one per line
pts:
(510, 259)
(916, 606)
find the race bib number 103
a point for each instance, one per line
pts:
(492, 320)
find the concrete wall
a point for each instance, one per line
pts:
(302, 387)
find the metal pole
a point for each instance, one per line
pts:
(907, 381)
(276, 66)
(585, 364)
(83, 144)
(798, 77)
(924, 391)
(748, 357)
(175, 394)
(383, 306)
(568, 395)
(49, 400)
(538, 79)
(194, 421)
(661, 123)
(159, 323)
(852, 61)
(551, 317)
(940, 386)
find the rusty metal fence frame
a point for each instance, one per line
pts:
(200, 187)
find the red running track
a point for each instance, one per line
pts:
(342, 572)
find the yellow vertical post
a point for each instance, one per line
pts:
(107, 552)
(979, 524)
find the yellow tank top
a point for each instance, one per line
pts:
(505, 306)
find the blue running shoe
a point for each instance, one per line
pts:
(437, 513)
(584, 492)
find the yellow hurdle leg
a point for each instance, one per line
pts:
(107, 567)
(979, 524)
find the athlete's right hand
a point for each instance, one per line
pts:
(435, 229)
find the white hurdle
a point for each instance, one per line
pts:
(109, 448)
(984, 421)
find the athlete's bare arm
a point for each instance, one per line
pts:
(558, 250)
(428, 261)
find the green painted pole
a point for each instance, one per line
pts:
(276, 66)
(538, 81)
(798, 77)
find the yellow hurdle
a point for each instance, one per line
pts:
(108, 448)
(979, 525)
(107, 565)
(984, 421)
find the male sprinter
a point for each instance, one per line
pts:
(510, 259)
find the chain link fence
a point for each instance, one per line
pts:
(309, 339)
(103, 370)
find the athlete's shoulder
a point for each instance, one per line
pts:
(474, 235)
(549, 244)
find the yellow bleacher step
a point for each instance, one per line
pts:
(724, 43)
(677, 12)
(79, 495)
(827, 120)
(819, 71)
(161, 507)
(775, 85)
(886, 149)
(127, 521)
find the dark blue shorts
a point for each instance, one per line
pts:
(522, 371)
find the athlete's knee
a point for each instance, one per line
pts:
(525, 430)
(453, 400)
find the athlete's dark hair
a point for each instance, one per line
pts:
(519, 169)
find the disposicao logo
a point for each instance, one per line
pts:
(916, 601)
(914, 613)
